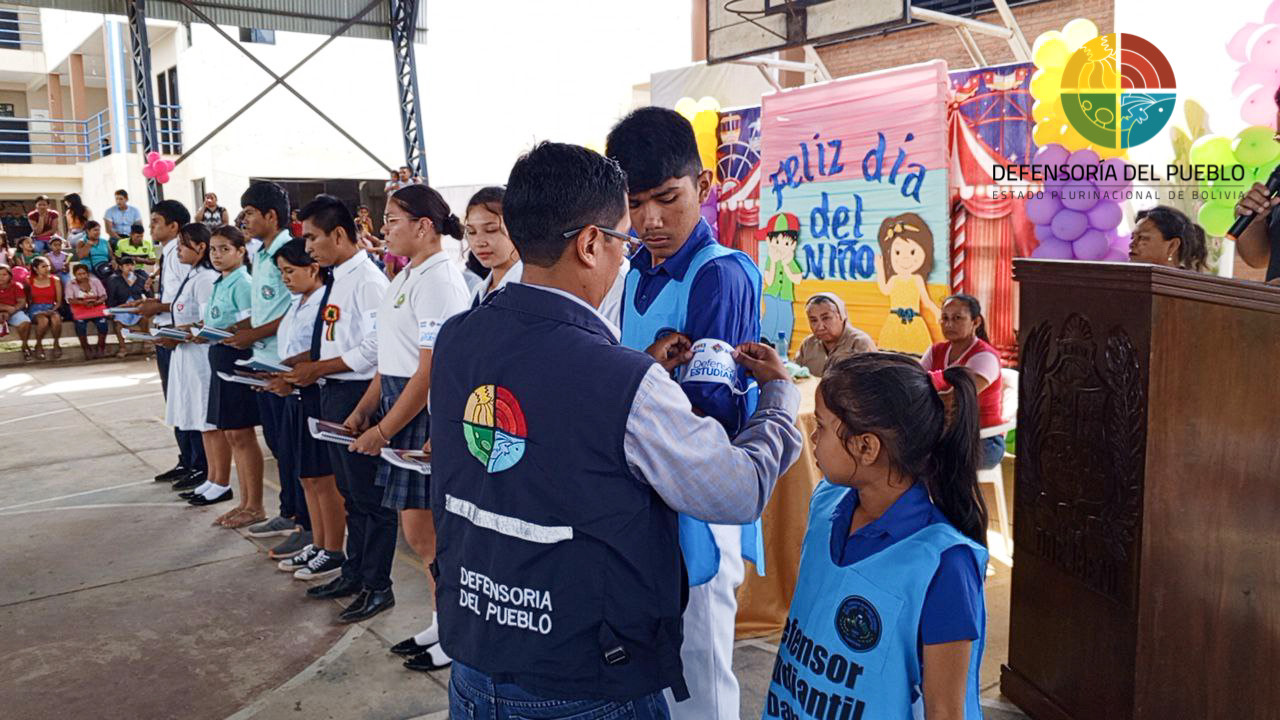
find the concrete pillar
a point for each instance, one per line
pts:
(117, 84)
(699, 30)
(54, 89)
(79, 106)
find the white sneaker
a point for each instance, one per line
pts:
(322, 566)
(297, 561)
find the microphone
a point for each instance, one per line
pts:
(1242, 222)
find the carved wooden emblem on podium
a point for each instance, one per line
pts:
(1082, 430)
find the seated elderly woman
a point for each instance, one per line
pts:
(1166, 236)
(833, 337)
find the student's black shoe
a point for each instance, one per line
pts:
(174, 473)
(408, 648)
(187, 494)
(193, 479)
(425, 662)
(201, 500)
(367, 604)
(339, 587)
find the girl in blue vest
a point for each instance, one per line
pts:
(888, 619)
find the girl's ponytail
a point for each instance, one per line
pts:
(954, 484)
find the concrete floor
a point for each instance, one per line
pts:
(118, 601)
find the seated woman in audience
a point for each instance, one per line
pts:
(127, 285)
(1166, 236)
(968, 346)
(77, 217)
(24, 253)
(890, 577)
(307, 281)
(44, 290)
(833, 337)
(489, 243)
(232, 407)
(13, 304)
(88, 300)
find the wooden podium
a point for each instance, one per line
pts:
(1146, 582)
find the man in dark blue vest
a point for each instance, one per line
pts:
(560, 460)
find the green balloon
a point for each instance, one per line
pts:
(1216, 217)
(1213, 150)
(1256, 146)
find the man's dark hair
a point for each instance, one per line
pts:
(264, 196)
(45, 198)
(172, 211)
(556, 188)
(123, 193)
(653, 145)
(90, 225)
(328, 213)
(125, 260)
(136, 228)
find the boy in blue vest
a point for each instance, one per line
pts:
(683, 281)
(560, 460)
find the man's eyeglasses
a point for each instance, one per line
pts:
(631, 244)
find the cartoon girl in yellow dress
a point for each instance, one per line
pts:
(906, 255)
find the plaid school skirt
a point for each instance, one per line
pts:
(403, 489)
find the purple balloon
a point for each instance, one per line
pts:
(1115, 255)
(1052, 154)
(1040, 210)
(1120, 242)
(1084, 157)
(1105, 216)
(1080, 196)
(1069, 224)
(1044, 233)
(1091, 246)
(1055, 188)
(1120, 184)
(1053, 250)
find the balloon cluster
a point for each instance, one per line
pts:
(704, 115)
(1077, 220)
(1257, 47)
(1255, 150)
(1050, 54)
(157, 167)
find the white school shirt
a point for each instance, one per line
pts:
(358, 287)
(481, 290)
(172, 271)
(611, 306)
(418, 302)
(294, 333)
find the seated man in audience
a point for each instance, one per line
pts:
(125, 286)
(136, 246)
(833, 337)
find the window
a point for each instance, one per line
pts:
(197, 188)
(168, 112)
(254, 35)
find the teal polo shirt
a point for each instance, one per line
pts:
(271, 299)
(229, 303)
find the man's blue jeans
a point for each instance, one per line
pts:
(473, 695)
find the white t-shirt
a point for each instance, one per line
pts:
(984, 364)
(418, 302)
(297, 324)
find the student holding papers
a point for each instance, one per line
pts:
(302, 456)
(233, 409)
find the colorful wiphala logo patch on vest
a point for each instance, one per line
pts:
(1118, 90)
(494, 427)
(858, 624)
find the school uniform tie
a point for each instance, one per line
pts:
(315, 329)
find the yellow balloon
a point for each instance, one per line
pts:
(1046, 84)
(1046, 133)
(1050, 50)
(704, 132)
(1078, 32)
(687, 107)
(1049, 111)
(708, 103)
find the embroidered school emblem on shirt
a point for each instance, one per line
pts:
(214, 312)
(399, 300)
(268, 292)
(330, 316)
(858, 624)
(494, 427)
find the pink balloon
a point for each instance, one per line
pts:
(1040, 210)
(1053, 250)
(167, 165)
(1106, 215)
(1084, 157)
(1264, 45)
(148, 171)
(1117, 256)
(1259, 108)
(1255, 74)
(162, 178)
(20, 274)
(1069, 224)
(153, 156)
(1080, 196)
(1044, 233)
(1052, 154)
(1091, 246)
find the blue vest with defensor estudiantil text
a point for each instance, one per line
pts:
(557, 569)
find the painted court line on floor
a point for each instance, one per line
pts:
(84, 492)
(70, 409)
(304, 675)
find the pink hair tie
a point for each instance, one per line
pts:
(939, 382)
